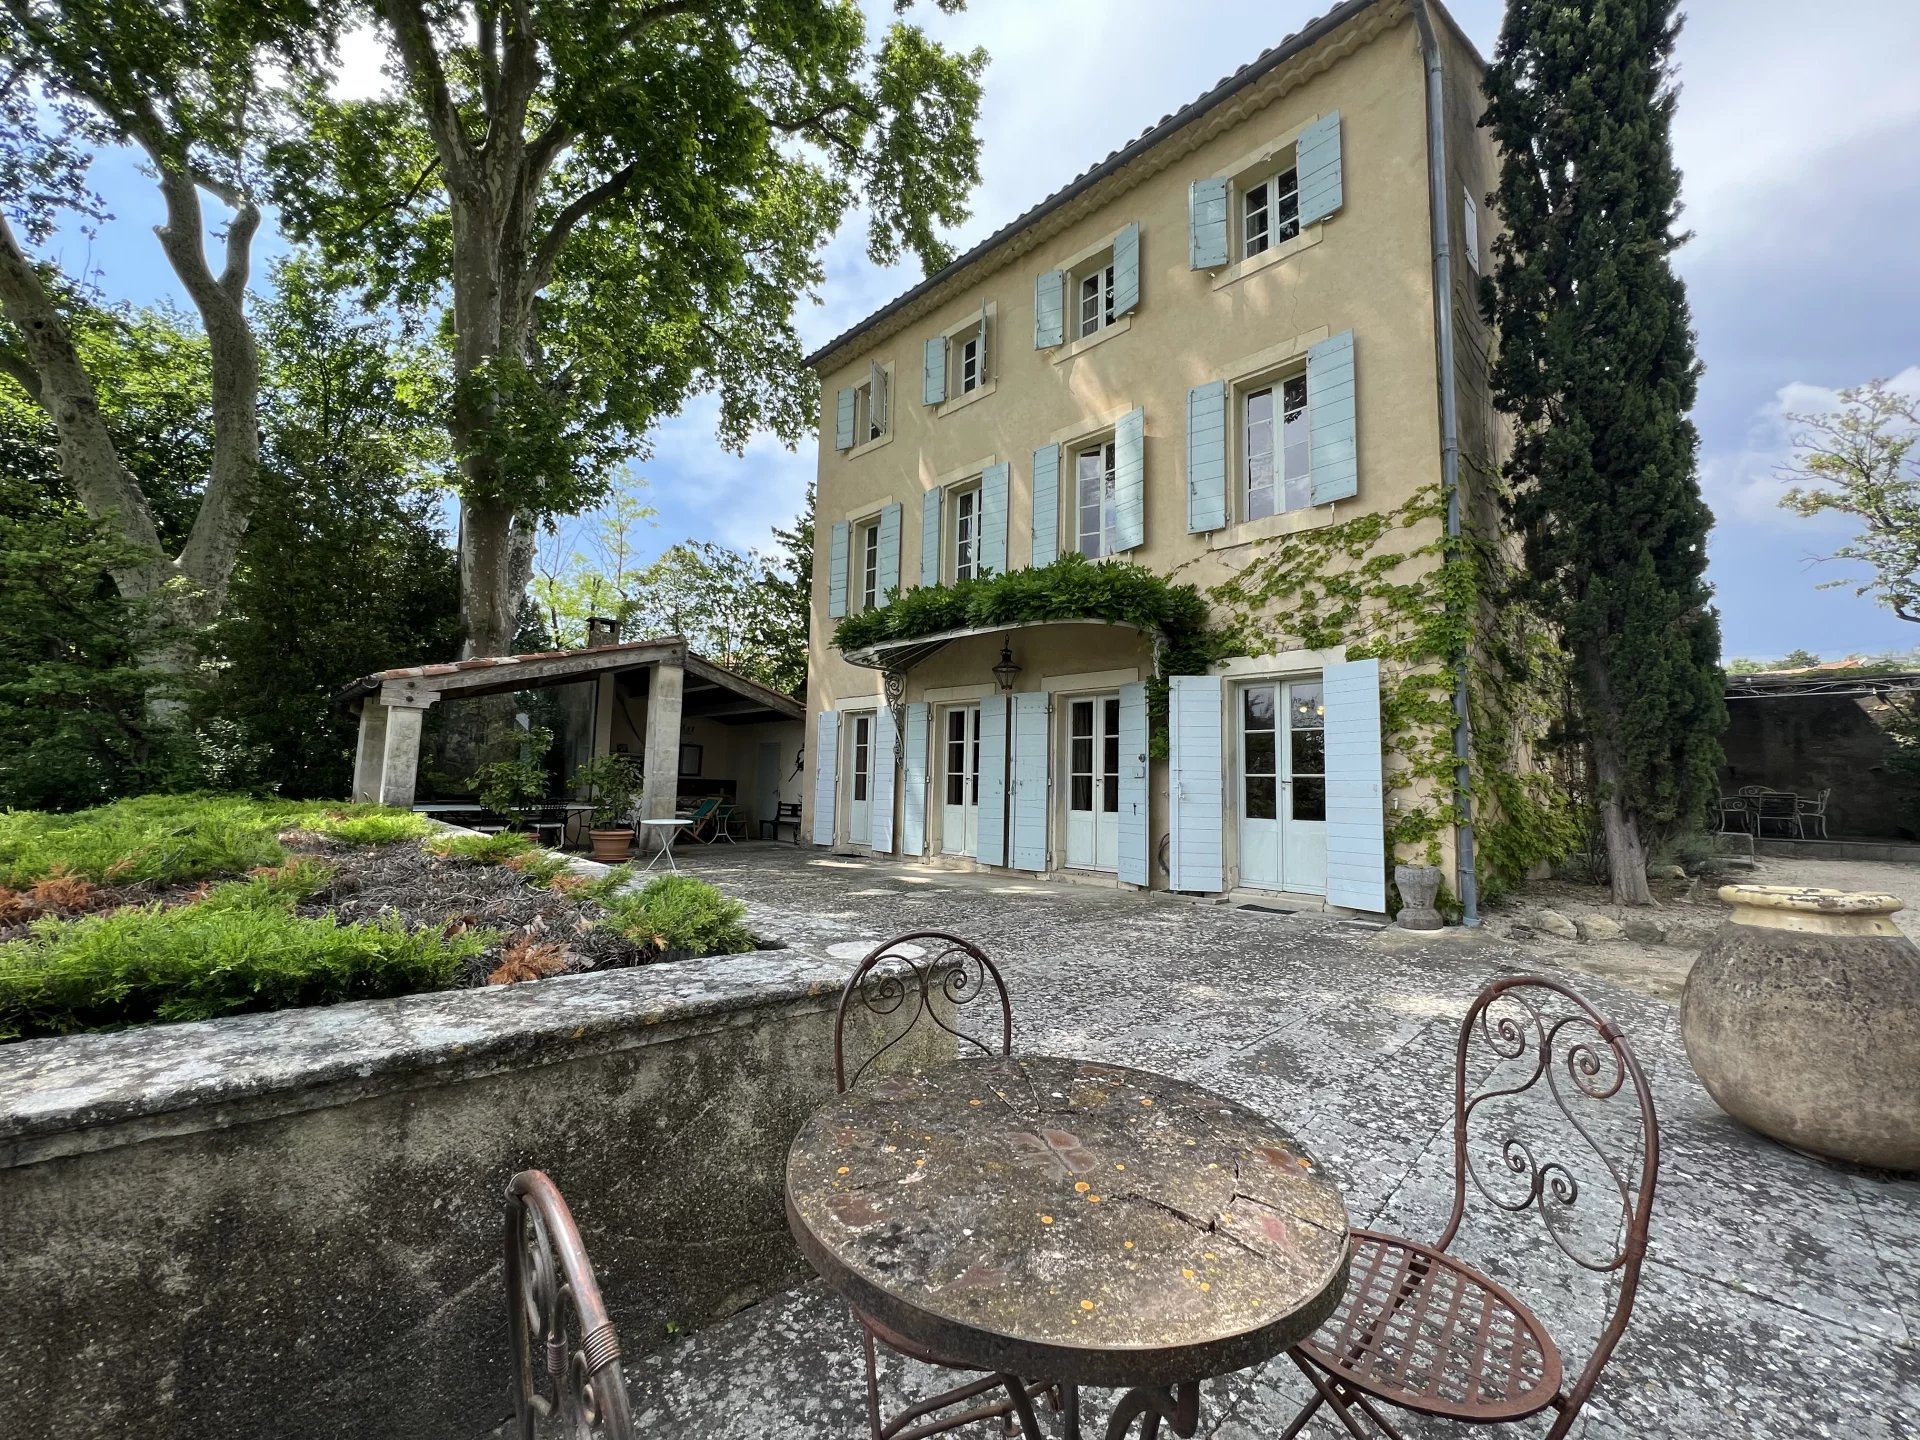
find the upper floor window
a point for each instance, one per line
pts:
(869, 411)
(966, 532)
(1095, 290)
(868, 537)
(1095, 503)
(1274, 453)
(1270, 209)
(972, 366)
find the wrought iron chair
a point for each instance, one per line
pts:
(1815, 810)
(905, 980)
(1779, 808)
(1423, 1331)
(566, 1356)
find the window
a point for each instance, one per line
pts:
(1269, 211)
(971, 368)
(869, 535)
(862, 746)
(957, 757)
(1307, 751)
(966, 533)
(1275, 459)
(870, 404)
(1094, 501)
(1095, 289)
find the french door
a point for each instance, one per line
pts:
(1282, 783)
(960, 781)
(860, 780)
(1093, 783)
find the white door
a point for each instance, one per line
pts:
(860, 780)
(1283, 787)
(1093, 782)
(960, 781)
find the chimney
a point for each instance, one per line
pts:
(602, 631)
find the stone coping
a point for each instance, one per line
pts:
(1811, 900)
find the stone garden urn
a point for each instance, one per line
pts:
(1802, 1019)
(1418, 885)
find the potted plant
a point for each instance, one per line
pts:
(511, 787)
(611, 784)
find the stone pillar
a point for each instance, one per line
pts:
(406, 707)
(371, 752)
(666, 683)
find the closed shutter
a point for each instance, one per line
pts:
(1134, 815)
(993, 519)
(888, 580)
(933, 388)
(843, 421)
(1029, 799)
(993, 781)
(1129, 480)
(913, 779)
(879, 393)
(880, 782)
(1356, 812)
(1049, 309)
(930, 503)
(1332, 459)
(1207, 224)
(837, 570)
(1207, 456)
(826, 775)
(1046, 505)
(1195, 784)
(1317, 159)
(1126, 271)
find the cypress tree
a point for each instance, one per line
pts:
(1598, 370)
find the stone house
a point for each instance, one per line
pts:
(1219, 340)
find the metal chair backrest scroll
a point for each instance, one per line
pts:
(909, 979)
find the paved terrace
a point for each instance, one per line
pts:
(1781, 1297)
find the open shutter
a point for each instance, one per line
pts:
(1207, 456)
(843, 421)
(933, 388)
(1129, 480)
(1134, 841)
(1049, 309)
(1029, 799)
(993, 781)
(1126, 270)
(986, 370)
(1332, 460)
(889, 577)
(913, 779)
(881, 394)
(930, 504)
(1470, 230)
(1207, 224)
(1194, 782)
(885, 747)
(837, 571)
(1046, 505)
(826, 775)
(1317, 159)
(1356, 813)
(993, 519)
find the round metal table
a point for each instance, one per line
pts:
(1070, 1221)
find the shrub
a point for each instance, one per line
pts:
(501, 849)
(676, 912)
(282, 886)
(528, 959)
(376, 827)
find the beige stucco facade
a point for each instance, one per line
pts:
(1366, 269)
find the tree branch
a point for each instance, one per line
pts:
(547, 252)
(24, 375)
(415, 38)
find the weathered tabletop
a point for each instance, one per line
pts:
(1080, 1222)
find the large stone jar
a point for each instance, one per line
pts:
(1802, 1018)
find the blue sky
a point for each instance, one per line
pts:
(1798, 135)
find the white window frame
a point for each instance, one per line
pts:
(963, 524)
(867, 537)
(1098, 274)
(968, 362)
(1274, 386)
(1109, 504)
(1275, 229)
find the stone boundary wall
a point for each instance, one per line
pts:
(290, 1224)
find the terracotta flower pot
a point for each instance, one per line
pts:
(610, 847)
(1802, 1019)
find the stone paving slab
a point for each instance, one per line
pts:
(1780, 1295)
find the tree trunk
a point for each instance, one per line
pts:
(1626, 849)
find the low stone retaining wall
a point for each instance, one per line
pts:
(289, 1225)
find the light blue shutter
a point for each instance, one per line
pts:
(930, 504)
(1049, 309)
(934, 389)
(881, 780)
(889, 576)
(1134, 840)
(1207, 456)
(1046, 505)
(1207, 224)
(913, 779)
(1130, 480)
(1126, 270)
(1194, 782)
(837, 571)
(1317, 160)
(993, 781)
(993, 519)
(826, 775)
(1356, 813)
(843, 421)
(879, 396)
(1029, 799)
(1332, 460)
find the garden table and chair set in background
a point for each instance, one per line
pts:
(1044, 1227)
(1758, 811)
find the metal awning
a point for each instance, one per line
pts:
(1837, 684)
(899, 656)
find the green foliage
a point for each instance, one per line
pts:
(612, 783)
(380, 827)
(675, 913)
(281, 886)
(1596, 366)
(477, 849)
(519, 781)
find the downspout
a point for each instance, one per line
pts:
(1468, 887)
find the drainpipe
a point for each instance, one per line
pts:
(1449, 437)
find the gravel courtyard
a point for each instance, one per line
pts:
(1781, 1297)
